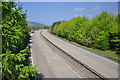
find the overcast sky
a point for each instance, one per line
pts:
(49, 12)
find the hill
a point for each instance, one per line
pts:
(35, 23)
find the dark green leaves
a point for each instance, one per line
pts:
(15, 36)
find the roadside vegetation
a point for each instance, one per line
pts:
(99, 35)
(15, 40)
(0, 41)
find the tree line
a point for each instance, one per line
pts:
(38, 27)
(101, 32)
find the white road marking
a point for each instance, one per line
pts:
(32, 61)
(30, 43)
(68, 66)
(31, 58)
(48, 62)
(31, 51)
(31, 34)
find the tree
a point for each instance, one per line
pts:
(97, 33)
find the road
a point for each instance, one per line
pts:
(52, 63)
(48, 63)
(98, 64)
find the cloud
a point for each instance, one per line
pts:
(96, 8)
(79, 9)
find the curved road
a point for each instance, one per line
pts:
(49, 64)
(101, 65)
(52, 65)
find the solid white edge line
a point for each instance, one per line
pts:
(68, 66)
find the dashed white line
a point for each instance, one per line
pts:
(48, 61)
(32, 61)
(31, 57)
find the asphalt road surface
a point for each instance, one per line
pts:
(49, 64)
(101, 65)
(52, 62)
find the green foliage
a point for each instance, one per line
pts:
(37, 27)
(0, 40)
(15, 33)
(54, 26)
(95, 33)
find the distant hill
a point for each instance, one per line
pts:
(35, 23)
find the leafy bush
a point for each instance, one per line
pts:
(15, 35)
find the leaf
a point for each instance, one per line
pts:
(9, 71)
(22, 76)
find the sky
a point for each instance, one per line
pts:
(69, 0)
(50, 12)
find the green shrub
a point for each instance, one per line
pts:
(15, 32)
